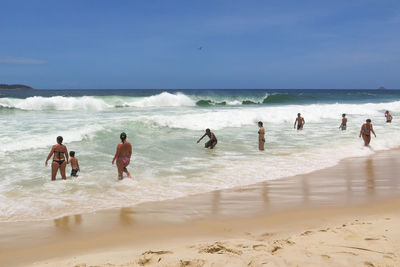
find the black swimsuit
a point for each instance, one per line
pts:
(263, 138)
(367, 129)
(61, 161)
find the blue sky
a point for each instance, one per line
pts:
(245, 44)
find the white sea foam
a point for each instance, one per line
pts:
(224, 118)
(55, 103)
(163, 100)
(28, 141)
(167, 162)
(87, 103)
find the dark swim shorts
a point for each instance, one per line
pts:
(74, 172)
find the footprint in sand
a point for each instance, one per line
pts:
(283, 242)
(371, 238)
(265, 236)
(148, 257)
(306, 233)
(325, 256)
(348, 252)
(194, 262)
(369, 264)
(144, 260)
(275, 249)
(259, 247)
(160, 252)
(219, 248)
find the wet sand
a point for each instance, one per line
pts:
(241, 226)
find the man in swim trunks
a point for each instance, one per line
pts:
(213, 140)
(60, 159)
(343, 126)
(300, 122)
(388, 116)
(365, 132)
(123, 156)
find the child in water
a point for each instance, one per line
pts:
(74, 164)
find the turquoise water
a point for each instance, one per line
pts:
(163, 127)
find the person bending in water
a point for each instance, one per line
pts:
(60, 159)
(74, 164)
(365, 132)
(343, 126)
(300, 122)
(123, 156)
(261, 136)
(213, 140)
(388, 116)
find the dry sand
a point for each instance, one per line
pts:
(370, 240)
(347, 215)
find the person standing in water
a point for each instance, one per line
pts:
(365, 132)
(261, 136)
(60, 159)
(388, 116)
(123, 156)
(74, 164)
(213, 139)
(343, 126)
(300, 122)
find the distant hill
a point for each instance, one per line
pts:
(15, 86)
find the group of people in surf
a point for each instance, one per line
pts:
(124, 149)
(365, 132)
(60, 158)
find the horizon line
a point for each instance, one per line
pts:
(211, 89)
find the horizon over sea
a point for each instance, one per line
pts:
(163, 127)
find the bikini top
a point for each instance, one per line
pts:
(59, 153)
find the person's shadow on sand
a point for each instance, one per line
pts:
(370, 176)
(125, 216)
(63, 223)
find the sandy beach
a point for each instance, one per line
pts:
(346, 215)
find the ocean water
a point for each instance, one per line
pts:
(163, 127)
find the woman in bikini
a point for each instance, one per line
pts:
(365, 132)
(261, 136)
(123, 156)
(60, 159)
